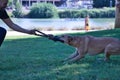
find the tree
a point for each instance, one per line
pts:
(43, 10)
(98, 3)
(117, 15)
(103, 3)
(10, 3)
(17, 12)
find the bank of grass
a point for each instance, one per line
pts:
(37, 58)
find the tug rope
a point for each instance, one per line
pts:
(49, 36)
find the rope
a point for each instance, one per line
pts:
(49, 36)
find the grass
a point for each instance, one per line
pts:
(36, 58)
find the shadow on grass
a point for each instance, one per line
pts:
(36, 58)
(108, 33)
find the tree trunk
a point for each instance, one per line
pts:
(117, 15)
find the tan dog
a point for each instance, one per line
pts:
(92, 46)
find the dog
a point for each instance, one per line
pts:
(91, 45)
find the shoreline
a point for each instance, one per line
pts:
(15, 33)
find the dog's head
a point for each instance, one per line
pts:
(70, 40)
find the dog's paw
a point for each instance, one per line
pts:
(99, 59)
(64, 62)
(107, 59)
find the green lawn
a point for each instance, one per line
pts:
(36, 58)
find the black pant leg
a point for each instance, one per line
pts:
(2, 34)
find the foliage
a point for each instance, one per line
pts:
(37, 58)
(10, 3)
(73, 13)
(102, 13)
(93, 13)
(43, 10)
(17, 12)
(103, 3)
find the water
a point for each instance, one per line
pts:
(61, 23)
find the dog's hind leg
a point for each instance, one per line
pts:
(111, 50)
(107, 57)
(107, 53)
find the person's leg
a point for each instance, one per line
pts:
(2, 34)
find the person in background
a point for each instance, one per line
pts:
(87, 26)
(6, 19)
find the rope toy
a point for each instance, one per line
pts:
(49, 36)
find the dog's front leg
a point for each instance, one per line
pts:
(79, 56)
(76, 58)
(71, 56)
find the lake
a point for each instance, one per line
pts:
(60, 24)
